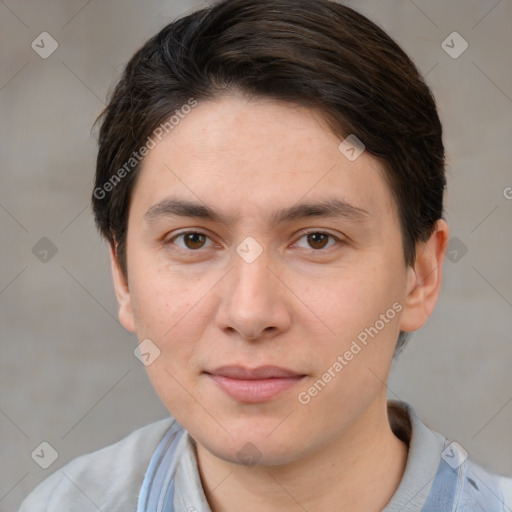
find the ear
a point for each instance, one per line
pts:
(424, 279)
(124, 299)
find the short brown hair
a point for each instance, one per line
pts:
(313, 53)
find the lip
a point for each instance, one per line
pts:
(253, 385)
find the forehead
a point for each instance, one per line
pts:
(247, 155)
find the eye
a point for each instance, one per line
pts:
(318, 240)
(192, 240)
(195, 240)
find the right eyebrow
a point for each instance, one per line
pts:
(176, 207)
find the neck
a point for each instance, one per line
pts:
(359, 471)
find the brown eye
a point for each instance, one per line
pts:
(191, 240)
(318, 240)
(194, 240)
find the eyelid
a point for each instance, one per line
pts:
(170, 240)
(320, 231)
(300, 235)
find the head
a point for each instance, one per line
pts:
(270, 180)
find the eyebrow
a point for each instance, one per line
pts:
(176, 207)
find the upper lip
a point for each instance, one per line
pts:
(262, 372)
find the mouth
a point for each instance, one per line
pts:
(254, 385)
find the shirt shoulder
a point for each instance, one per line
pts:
(485, 489)
(505, 484)
(108, 479)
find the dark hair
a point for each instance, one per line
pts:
(313, 53)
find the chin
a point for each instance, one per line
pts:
(252, 449)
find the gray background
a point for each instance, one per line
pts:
(68, 375)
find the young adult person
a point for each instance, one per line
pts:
(270, 179)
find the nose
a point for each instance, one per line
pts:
(255, 302)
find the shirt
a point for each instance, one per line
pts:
(155, 469)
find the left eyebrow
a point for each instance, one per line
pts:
(328, 208)
(177, 207)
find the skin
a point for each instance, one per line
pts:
(299, 305)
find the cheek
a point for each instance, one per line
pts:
(359, 315)
(168, 313)
(349, 299)
(354, 361)
(162, 298)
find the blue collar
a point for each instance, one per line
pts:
(157, 492)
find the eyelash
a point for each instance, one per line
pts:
(311, 232)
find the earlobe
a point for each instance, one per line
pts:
(425, 279)
(124, 299)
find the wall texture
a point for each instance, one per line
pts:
(68, 375)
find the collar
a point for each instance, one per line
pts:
(176, 457)
(425, 448)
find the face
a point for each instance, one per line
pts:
(228, 267)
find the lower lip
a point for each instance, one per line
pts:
(253, 391)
